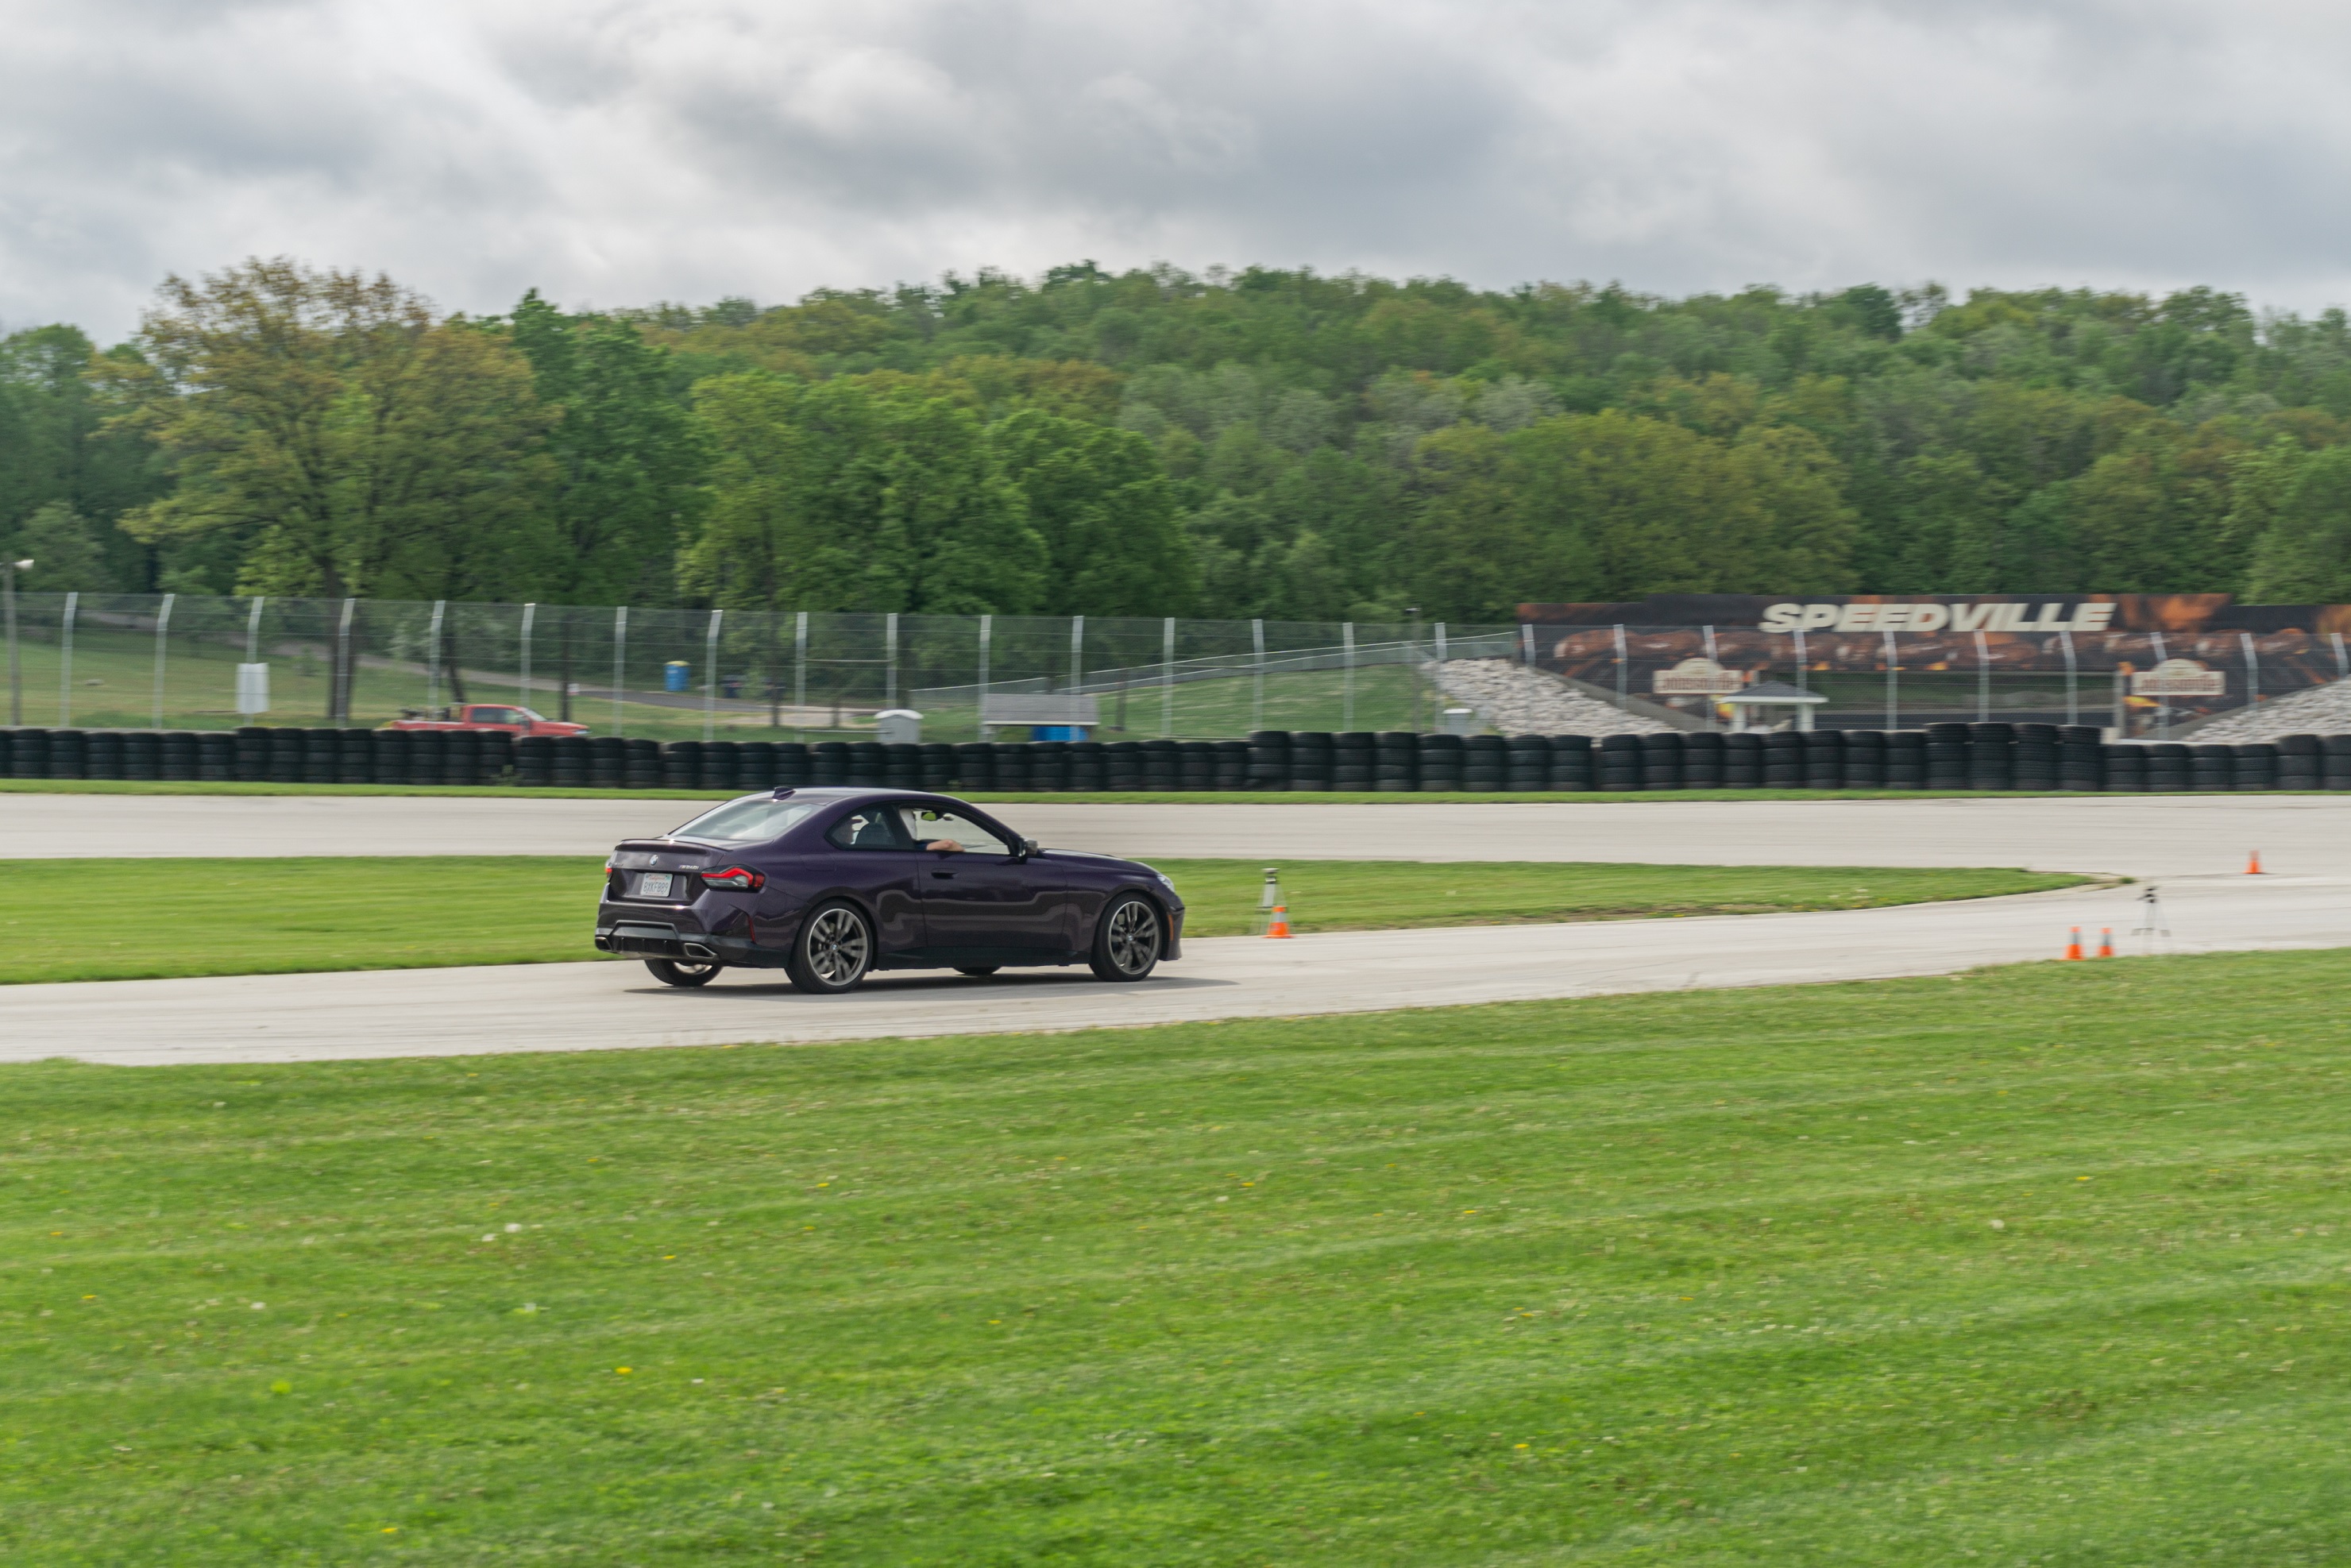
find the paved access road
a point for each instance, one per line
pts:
(567, 1007)
(2131, 835)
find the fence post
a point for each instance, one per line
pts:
(2072, 705)
(1983, 680)
(1527, 642)
(1256, 683)
(65, 663)
(890, 660)
(2162, 704)
(253, 629)
(432, 656)
(1347, 680)
(1620, 668)
(163, 642)
(529, 613)
(15, 672)
(2252, 670)
(339, 700)
(1077, 654)
(2342, 659)
(1713, 700)
(986, 631)
(620, 667)
(710, 678)
(799, 672)
(1893, 680)
(1804, 664)
(1167, 678)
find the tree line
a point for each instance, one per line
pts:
(1155, 443)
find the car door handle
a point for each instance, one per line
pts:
(944, 875)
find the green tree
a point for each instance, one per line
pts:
(629, 460)
(2303, 555)
(327, 421)
(1106, 513)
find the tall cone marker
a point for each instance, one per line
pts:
(1268, 900)
(2073, 947)
(2254, 866)
(2107, 942)
(1279, 927)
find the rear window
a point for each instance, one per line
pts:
(747, 822)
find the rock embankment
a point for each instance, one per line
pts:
(2322, 710)
(1515, 700)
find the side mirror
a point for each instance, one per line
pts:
(1027, 847)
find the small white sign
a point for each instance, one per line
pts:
(2178, 678)
(252, 688)
(1696, 678)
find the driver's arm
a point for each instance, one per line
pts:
(945, 846)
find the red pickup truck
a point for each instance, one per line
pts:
(515, 721)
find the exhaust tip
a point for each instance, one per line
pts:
(697, 950)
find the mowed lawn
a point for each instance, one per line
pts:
(65, 920)
(2041, 1265)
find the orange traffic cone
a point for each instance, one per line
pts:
(2107, 942)
(2073, 947)
(1279, 927)
(2254, 866)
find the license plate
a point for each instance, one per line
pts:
(654, 884)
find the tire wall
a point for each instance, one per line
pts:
(1941, 756)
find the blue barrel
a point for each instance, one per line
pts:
(676, 675)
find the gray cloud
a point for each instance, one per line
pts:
(625, 151)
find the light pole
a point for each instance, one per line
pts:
(1412, 663)
(8, 570)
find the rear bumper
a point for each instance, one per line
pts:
(661, 939)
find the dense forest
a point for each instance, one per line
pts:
(1262, 442)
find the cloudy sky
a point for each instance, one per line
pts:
(621, 151)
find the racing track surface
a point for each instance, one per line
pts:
(2196, 846)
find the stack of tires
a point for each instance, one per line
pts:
(1269, 759)
(1947, 756)
(1352, 754)
(1573, 762)
(534, 761)
(1196, 765)
(1702, 754)
(1865, 759)
(1485, 764)
(1312, 760)
(2298, 763)
(681, 763)
(1395, 762)
(939, 762)
(2033, 757)
(2123, 768)
(69, 753)
(1441, 760)
(175, 755)
(1991, 762)
(2254, 766)
(251, 744)
(1824, 751)
(722, 766)
(1087, 768)
(1013, 774)
(1049, 767)
(2081, 758)
(2211, 767)
(1661, 761)
(2170, 768)
(1526, 763)
(1163, 767)
(216, 756)
(142, 752)
(975, 764)
(829, 764)
(1742, 761)
(1906, 759)
(1619, 764)
(1784, 759)
(2334, 762)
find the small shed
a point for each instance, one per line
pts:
(1753, 708)
(1066, 716)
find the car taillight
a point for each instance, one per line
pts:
(734, 879)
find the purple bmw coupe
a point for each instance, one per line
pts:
(829, 885)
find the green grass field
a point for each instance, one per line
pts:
(2042, 1265)
(277, 917)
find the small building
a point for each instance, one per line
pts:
(1759, 706)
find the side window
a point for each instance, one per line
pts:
(933, 829)
(875, 827)
(494, 716)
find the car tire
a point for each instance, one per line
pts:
(686, 976)
(978, 974)
(1128, 939)
(833, 952)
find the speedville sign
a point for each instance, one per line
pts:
(1991, 615)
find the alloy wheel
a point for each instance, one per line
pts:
(838, 946)
(1133, 940)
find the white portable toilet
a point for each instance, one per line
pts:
(1460, 721)
(898, 726)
